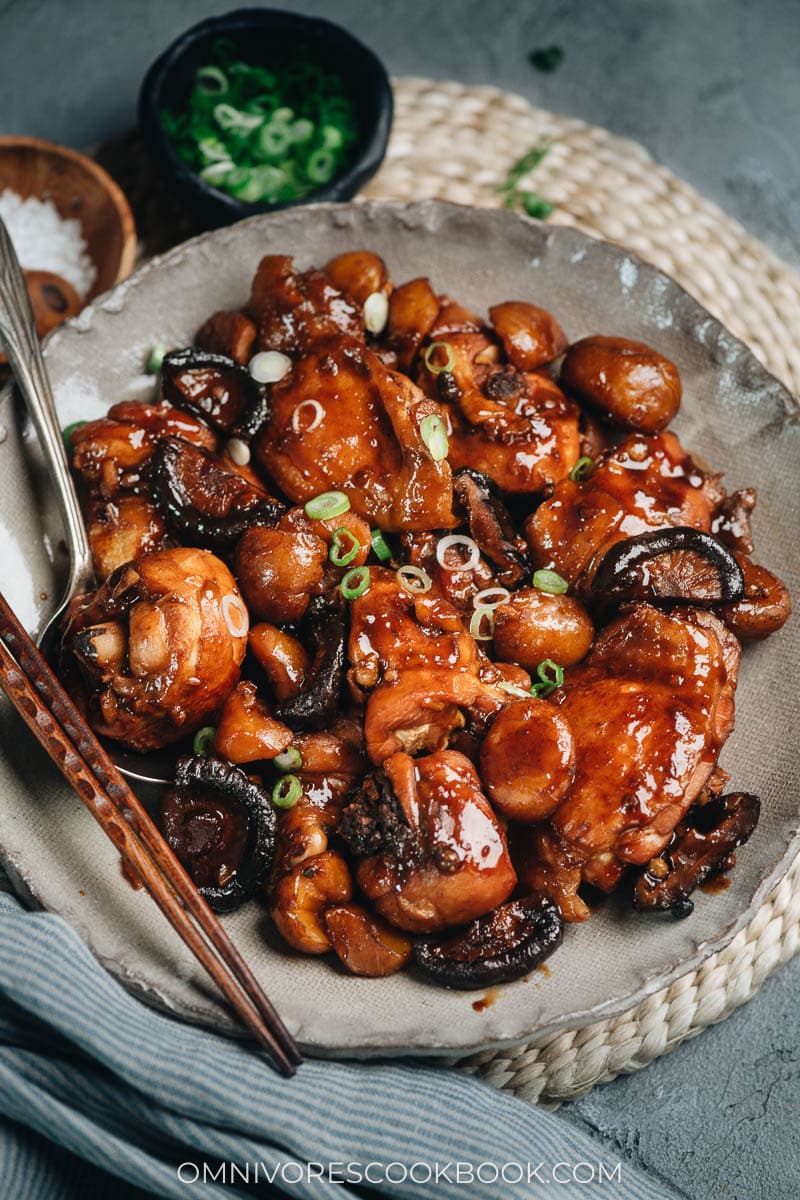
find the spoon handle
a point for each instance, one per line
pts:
(21, 344)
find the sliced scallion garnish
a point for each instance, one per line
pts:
(326, 505)
(355, 583)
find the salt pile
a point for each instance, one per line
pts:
(44, 241)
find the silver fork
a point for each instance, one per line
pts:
(21, 344)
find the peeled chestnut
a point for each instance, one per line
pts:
(765, 604)
(278, 571)
(627, 382)
(527, 760)
(531, 336)
(535, 625)
(498, 948)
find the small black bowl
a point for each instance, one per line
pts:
(254, 31)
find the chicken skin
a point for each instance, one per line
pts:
(158, 647)
(455, 864)
(368, 441)
(649, 710)
(517, 428)
(645, 483)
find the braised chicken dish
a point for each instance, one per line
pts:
(441, 619)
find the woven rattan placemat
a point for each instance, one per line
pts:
(457, 143)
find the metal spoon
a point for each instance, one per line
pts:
(21, 343)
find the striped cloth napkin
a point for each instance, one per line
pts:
(95, 1085)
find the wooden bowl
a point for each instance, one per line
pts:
(80, 189)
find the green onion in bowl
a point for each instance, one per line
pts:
(264, 133)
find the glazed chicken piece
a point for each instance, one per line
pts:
(293, 310)
(342, 420)
(649, 710)
(157, 649)
(418, 668)
(645, 483)
(516, 427)
(113, 452)
(434, 852)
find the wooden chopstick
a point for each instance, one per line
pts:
(49, 712)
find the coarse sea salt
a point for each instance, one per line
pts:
(45, 241)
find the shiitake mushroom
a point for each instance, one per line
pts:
(202, 501)
(211, 386)
(315, 707)
(498, 948)
(222, 827)
(702, 842)
(679, 565)
(490, 525)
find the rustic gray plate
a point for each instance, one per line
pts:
(734, 414)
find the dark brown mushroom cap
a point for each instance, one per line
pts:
(315, 707)
(490, 525)
(679, 565)
(498, 948)
(204, 502)
(222, 827)
(708, 835)
(211, 386)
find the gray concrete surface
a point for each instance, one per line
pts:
(712, 87)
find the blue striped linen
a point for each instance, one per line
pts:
(104, 1097)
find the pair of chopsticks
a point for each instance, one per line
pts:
(48, 711)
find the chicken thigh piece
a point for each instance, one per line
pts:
(294, 309)
(343, 420)
(516, 427)
(645, 483)
(435, 854)
(649, 710)
(157, 649)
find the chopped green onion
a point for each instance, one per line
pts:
(321, 166)
(551, 676)
(582, 469)
(434, 435)
(355, 583)
(228, 117)
(156, 358)
(535, 206)
(380, 546)
(273, 141)
(289, 760)
(291, 115)
(287, 792)
(437, 369)
(546, 58)
(482, 618)
(550, 581)
(326, 505)
(515, 195)
(414, 579)
(212, 150)
(212, 81)
(217, 173)
(203, 741)
(339, 556)
(68, 432)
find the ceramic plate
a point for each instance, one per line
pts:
(734, 415)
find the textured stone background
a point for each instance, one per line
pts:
(712, 88)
